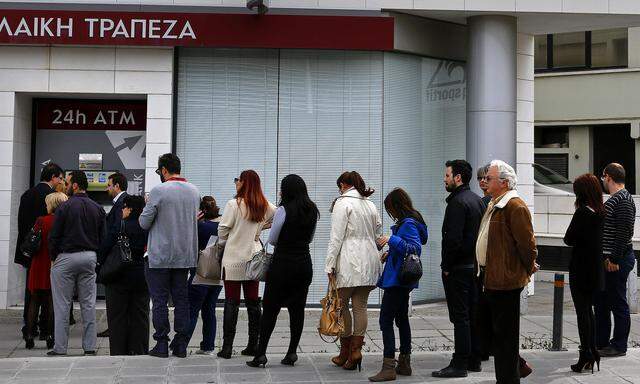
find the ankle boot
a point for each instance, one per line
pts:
(387, 373)
(585, 361)
(345, 348)
(254, 312)
(596, 357)
(404, 365)
(230, 320)
(355, 356)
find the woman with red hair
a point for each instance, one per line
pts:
(244, 217)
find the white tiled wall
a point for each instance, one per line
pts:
(26, 72)
(524, 145)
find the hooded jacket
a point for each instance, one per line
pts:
(409, 235)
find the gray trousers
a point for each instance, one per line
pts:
(74, 271)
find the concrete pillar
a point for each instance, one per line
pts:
(491, 89)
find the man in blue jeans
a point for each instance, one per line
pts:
(620, 212)
(170, 216)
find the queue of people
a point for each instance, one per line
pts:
(488, 256)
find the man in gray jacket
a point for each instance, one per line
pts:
(170, 216)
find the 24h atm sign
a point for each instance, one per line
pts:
(194, 29)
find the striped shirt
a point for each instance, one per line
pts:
(620, 213)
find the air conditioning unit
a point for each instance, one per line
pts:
(260, 6)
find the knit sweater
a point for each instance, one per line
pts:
(241, 235)
(620, 213)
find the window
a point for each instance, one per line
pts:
(581, 50)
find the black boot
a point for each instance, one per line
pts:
(254, 312)
(585, 362)
(229, 322)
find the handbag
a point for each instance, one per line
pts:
(411, 270)
(31, 243)
(331, 322)
(117, 259)
(258, 266)
(210, 261)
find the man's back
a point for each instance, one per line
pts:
(31, 207)
(170, 216)
(620, 212)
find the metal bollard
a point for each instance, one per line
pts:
(558, 304)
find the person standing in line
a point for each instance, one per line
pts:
(482, 183)
(586, 271)
(290, 274)
(128, 295)
(243, 219)
(408, 234)
(39, 278)
(203, 293)
(32, 205)
(170, 216)
(353, 260)
(117, 191)
(619, 259)
(459, 234)
(506, 254)
(74, 240)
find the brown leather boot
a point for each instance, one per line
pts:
(388, 372)
(345, 348)
(355, 357)
(404, 365)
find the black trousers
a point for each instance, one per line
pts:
(505, 327)
(460, 289)
(128, 320)
(583, 301)
(287, 286)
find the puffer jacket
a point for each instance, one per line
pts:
(352, 251)
(410, 234)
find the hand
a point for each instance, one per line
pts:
(536, 267)
(332, 274)
(382, 241)
(613, 267)
(384, 256)
(125, 213)
(445, 273)
(200, 215)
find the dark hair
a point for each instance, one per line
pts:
(50, 171)
(399, 206)
(251, 194)
(136, 203)
(170, 162)
(120, 179)
(80, 178)
(588, 192)
(296, 200)
(462, 168)
(616, 172)
(209, 208)
(354, 179)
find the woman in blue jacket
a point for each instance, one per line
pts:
(408, 235)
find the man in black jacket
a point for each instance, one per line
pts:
(117, 190)
(31, 207)
(459, 233)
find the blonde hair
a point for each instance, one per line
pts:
(53, 200)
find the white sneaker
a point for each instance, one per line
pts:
(201, 352)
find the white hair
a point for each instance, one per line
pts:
(505, 172)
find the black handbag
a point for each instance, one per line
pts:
(117, 259)
(31, 243)
(411, 270)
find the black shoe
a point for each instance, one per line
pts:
(29, 343)
(104, 333)
(229, 322)
(254, 312)
(160, 350)
(54, 353)
(450, 371)
(289, 359)
(258, 361)
(179, 351)
(89, 353)
(50, 342)
(474, 366)
(611, 352)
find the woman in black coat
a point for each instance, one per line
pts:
(586, 269)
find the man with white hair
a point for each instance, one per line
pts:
(506, 254)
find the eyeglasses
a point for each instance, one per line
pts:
(480, 178)
(489, 178)
(603, 178)
(159, 171)
(235, 179)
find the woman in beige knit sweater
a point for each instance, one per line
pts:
(244, 217)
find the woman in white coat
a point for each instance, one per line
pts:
(353, 259)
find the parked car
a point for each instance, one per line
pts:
(550, 182)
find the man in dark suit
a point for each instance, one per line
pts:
(117, 190)
(31, 207)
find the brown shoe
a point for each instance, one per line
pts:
(345, 347)
(355, 357)
(388, 372)
(525, 368)
(404, 365)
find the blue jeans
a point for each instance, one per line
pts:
(203, 298)
(163, 282)
(614, 300)
(395, 306)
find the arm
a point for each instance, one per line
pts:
(276, 227)
(150, 211)
(339, 221)
(57, 231)
(453, 228)
(111, 235)
(228, 219)
(574, 230)
(624, 221)
(407, 239)
(522, 231)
